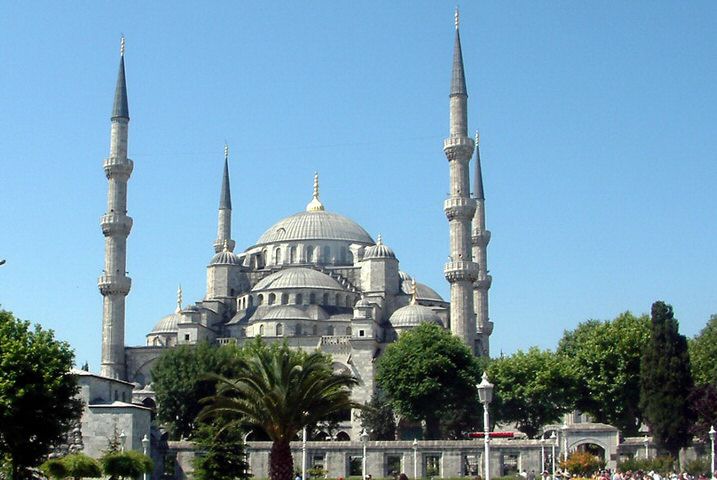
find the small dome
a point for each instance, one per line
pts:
(413, 315)
(297, 278)
(379, 251)
(225, 258)
(363, 302)
(167, 324)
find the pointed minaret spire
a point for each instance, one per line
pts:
(458, 79)
(315, 204)
(120, 109)
(179, 300)
(114, 284)
(478, 180)
(224, 225)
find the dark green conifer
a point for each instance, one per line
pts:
(666, 382)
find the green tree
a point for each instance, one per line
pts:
(378, 418)
(531, 388)
(666, 381)
(703, 404)
(582, 464)
(75, 465)
(428, 374)
(604, 358)
(703, 352)
(222, 455)
(180, 382)
(37, 393)
(279, 391)
(129, 464)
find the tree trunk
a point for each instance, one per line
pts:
(281, 464)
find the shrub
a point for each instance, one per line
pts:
(582, 464)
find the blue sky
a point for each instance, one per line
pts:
(598, 123)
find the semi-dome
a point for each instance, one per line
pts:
(413, 315)
(297, 277)
(315, 225)
(379, 251)
(285, 312)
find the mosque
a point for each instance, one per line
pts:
(315, 279)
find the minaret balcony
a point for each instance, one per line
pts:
(114, 284)
(483, 283)
(481, 239)
(458, 148)
(115, 224)
(461, 271)
(118, 167)
(485, 329)
(459, 207)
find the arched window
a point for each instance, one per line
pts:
(272, 298)
(315, 330)
(327, 254)
(309, 254)
(312, 298)
(349, 257)
(277, 256)
(261, 330)
(262, 259)
(279, 330)
(348, 301)
(284, 298)
(326, 299)
(250, 301)
(348, 330)
(299, 299)
(330, 330)
(292, 254)
(260, 299)
(336, 300)
(298, 330)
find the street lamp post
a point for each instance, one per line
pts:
(123, 439)
(646, 443)
(364, 440)
(303, 454)
(485, 395)
(554, 438)
(415, 458)
(712, 433)
(145, 447)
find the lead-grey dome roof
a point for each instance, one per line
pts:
(225, 258)
(315, 225)
(167, 324)
(413, 315)
(297, 277)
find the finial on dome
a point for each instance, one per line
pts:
(457, 17)
(315, 204)
(226, 151)
(414, 292)
(379, 240)
(122, 46)
(179, 299)
(225, 247)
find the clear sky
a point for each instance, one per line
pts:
(598, 123)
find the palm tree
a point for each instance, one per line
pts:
(280, 391)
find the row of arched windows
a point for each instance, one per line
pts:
(279, 329)
(328, 299)
(311, 254)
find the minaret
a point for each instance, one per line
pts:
(114, 284)
(480, 238)
(224, 225)
(460, 271)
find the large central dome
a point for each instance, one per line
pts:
(315, 225)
